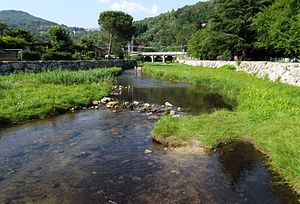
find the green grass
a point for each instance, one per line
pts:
(26, 96)
(267, 114)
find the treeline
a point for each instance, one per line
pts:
(59, 47)
(172, 30)
(38, 27)
(252, 30)
(227, 29)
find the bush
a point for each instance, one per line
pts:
(136, 57)
(8, 42)
(54, 55)
(31, 55)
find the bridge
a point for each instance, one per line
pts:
(160, 56)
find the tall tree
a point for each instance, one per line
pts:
(60, 39)
(278, 27)
(232, 21)
(118, 26)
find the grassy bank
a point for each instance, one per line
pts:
(266, 114)
(25, 96)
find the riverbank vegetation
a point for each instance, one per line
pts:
(25, 96)
(267, 114)
(226, 29)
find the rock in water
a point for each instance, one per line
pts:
(105, 100)
(147, 151)
(172, 113)
(168, 104)
(135, 103)
(147, 105)
(111, 104)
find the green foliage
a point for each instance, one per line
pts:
(20, 19)
(8, 42)
(18, 33)
(278, 27)
(26, 96)
(211, 45)
(229, 32)
(55, 55)
(3, 27)
(118, 26)
(172, 29)
(60, 39)
(266, 114)
(31, 55)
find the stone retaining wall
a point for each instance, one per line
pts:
(284, 72)
(36, 66)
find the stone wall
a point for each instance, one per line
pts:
(36, 66)
(284, 72)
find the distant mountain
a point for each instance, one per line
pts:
(173, 28)
(20, 19)
(37, 26)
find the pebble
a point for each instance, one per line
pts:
(175, 172)
(105, 100)
(147, 105)
(168, 104)
(147, 151)
(136, 179)
(135, 103)
(125, 161)
(82, 154)
(172, 113)
(96, 102)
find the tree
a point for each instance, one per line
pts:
(3, 27)
(60, 39)
(18, 33)
(231, 25)
(278, 27)
(118, 26)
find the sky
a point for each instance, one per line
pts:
(85, 13)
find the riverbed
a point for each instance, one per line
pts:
(101, 156)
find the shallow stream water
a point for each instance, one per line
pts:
(98, 156)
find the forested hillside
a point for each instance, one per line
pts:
(173, 29)
(20, 19)
(35, 25)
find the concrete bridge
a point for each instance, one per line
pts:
(160, 56)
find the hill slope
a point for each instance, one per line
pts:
(37, 26)
(20, 19)
(172, 28)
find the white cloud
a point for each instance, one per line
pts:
(154, 10)
(133, 7)
(104, 1)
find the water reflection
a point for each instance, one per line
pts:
(192, 99)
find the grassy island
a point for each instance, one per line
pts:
(25, 96)
(266, 114)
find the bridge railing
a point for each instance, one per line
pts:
(162, 53)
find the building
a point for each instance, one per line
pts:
(10, 54)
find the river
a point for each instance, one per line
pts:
(100, 156)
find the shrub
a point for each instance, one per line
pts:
(54, 55)
(8, 42)
(31, 55)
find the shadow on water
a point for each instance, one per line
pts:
(97, 156)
